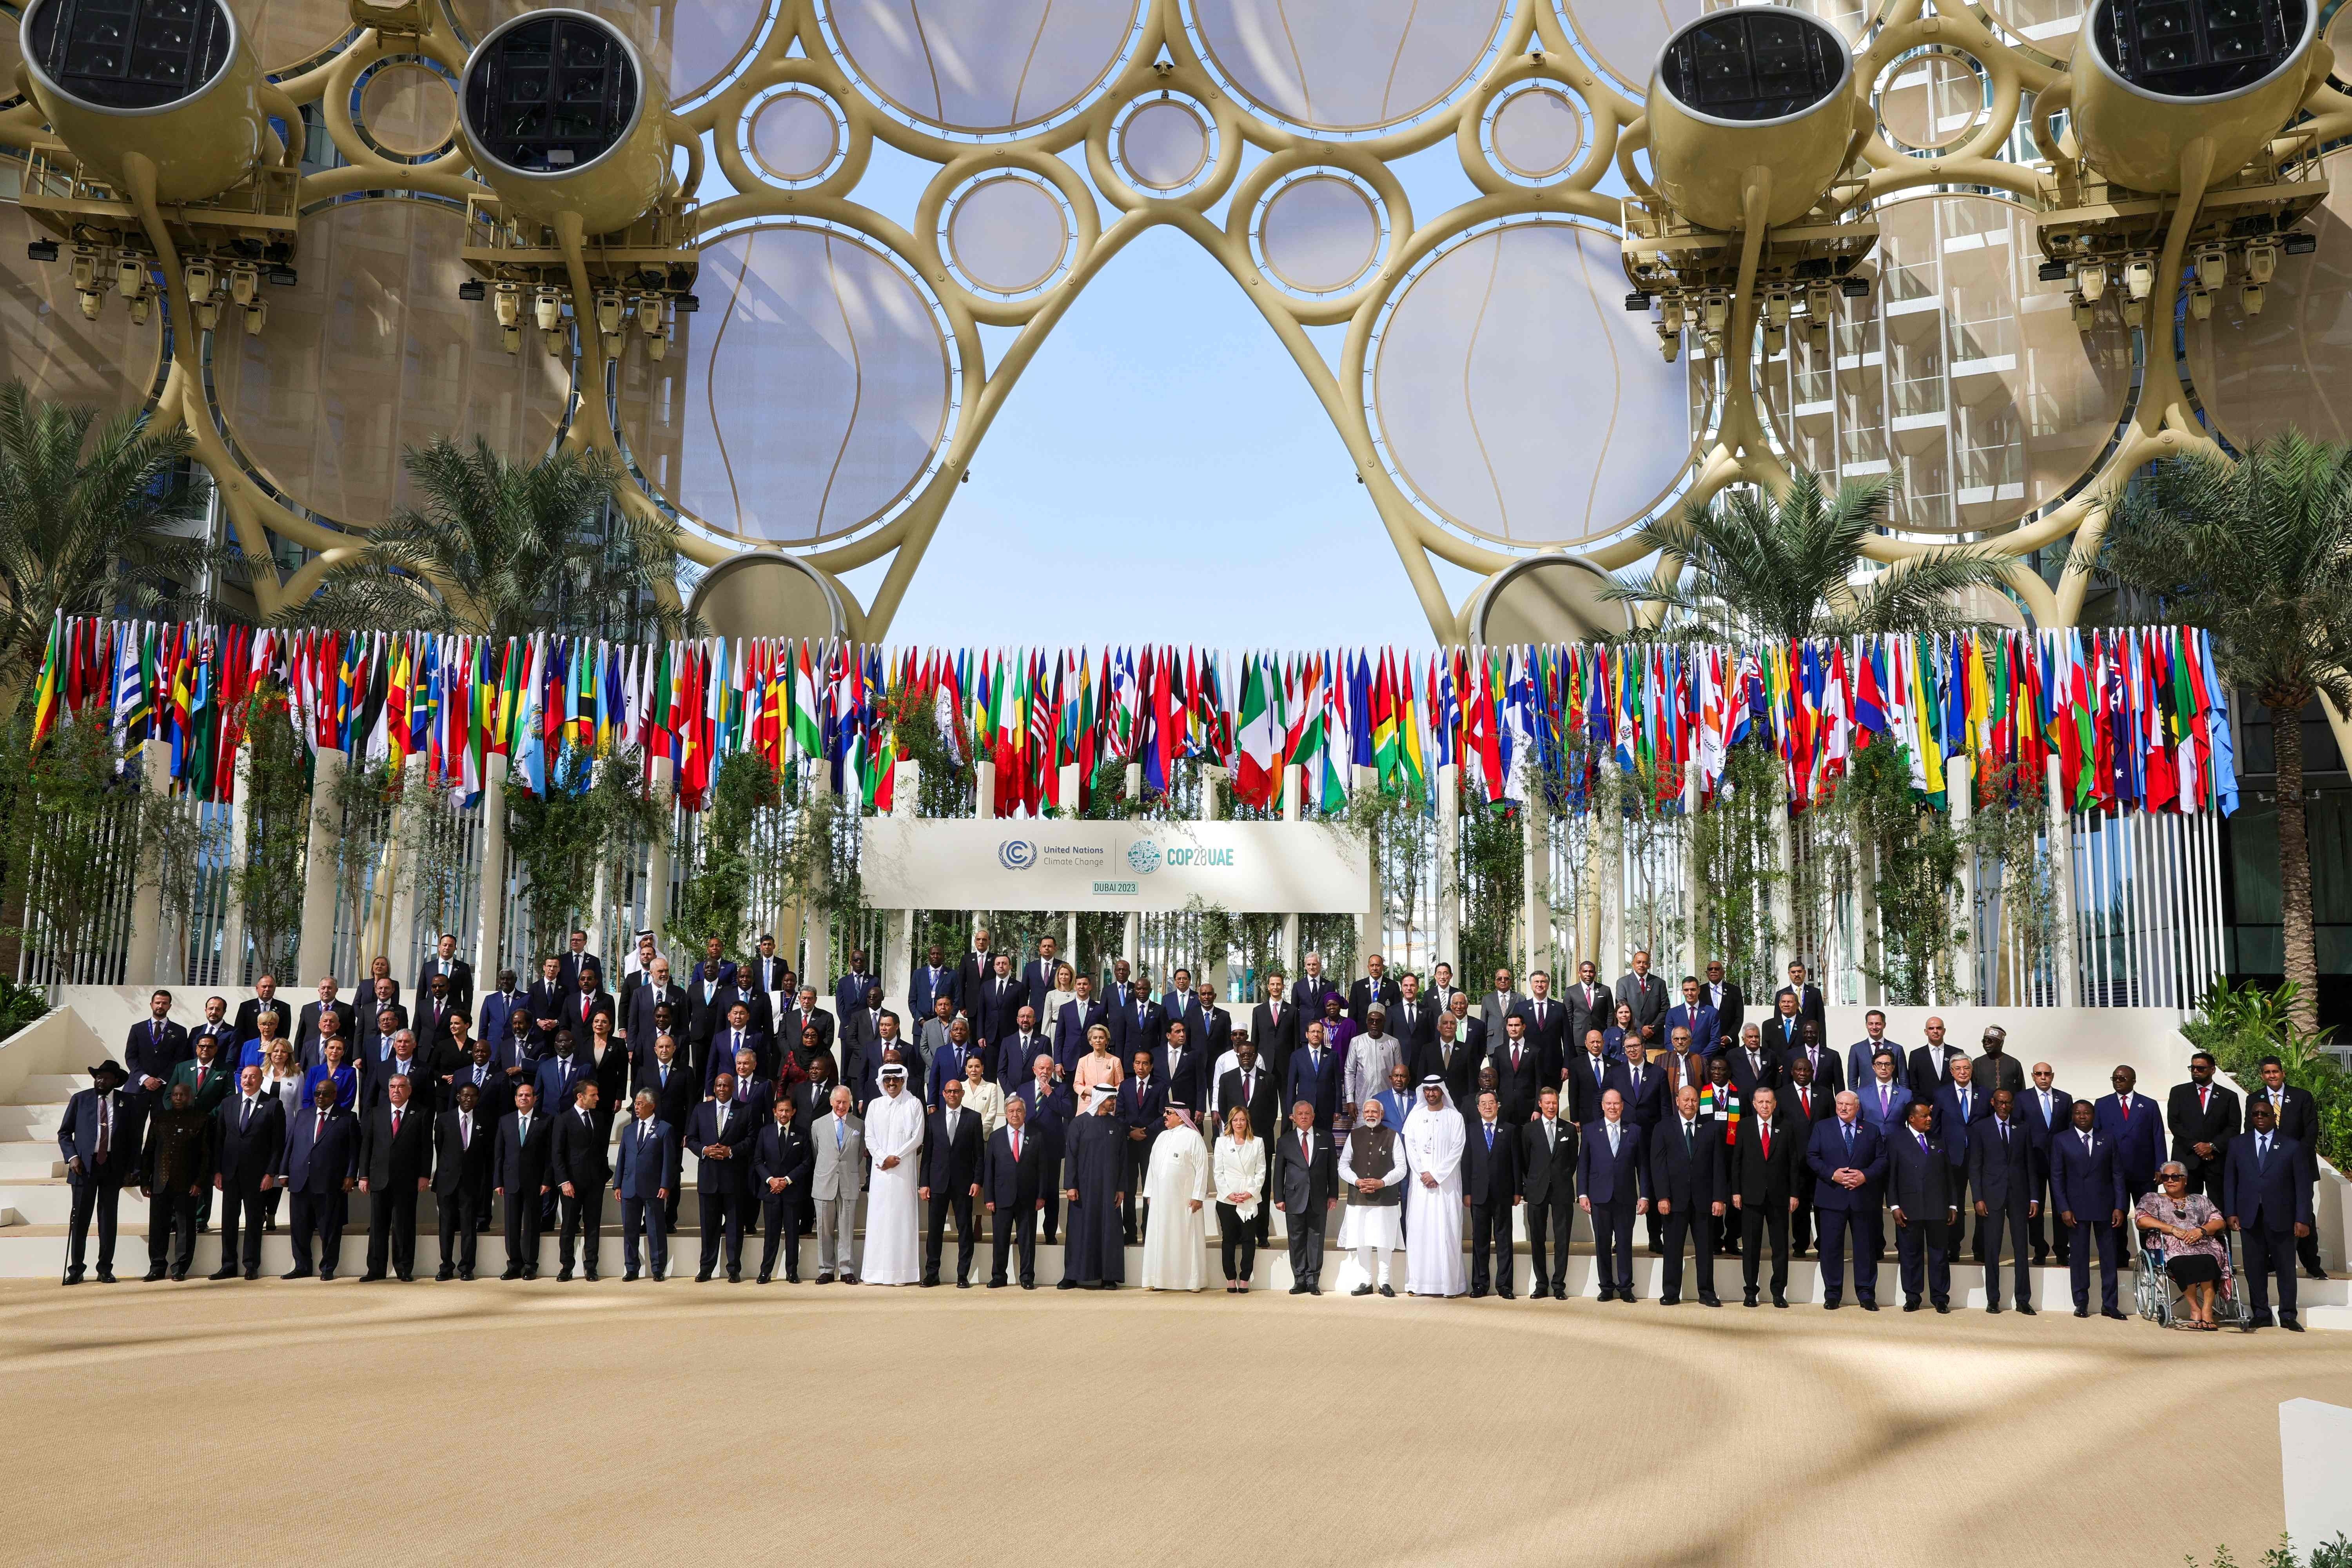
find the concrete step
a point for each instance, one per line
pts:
(31, 1120)
(24, 1161)
(40, 1088)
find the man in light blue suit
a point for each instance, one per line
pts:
(1397, 1099)
(2136, 1124)
(1886, 1098)
(1849, 1164)
(1692, 1012)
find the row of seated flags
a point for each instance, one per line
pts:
(2135, 716)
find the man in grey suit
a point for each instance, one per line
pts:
(840, 1143)
(1646, 994)
(1498, 1005)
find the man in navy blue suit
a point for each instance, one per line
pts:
(1138, 1024)
(2046, 1111)
(1919, 1196)
(1608, 1187)
(1183, 1064)
(154, 1047)
(932, 979)
(849, 992)
(1959, 1106)
(2001, 1171)
(2135, 1125)
(1849, 1167)
(1143, 1097)
(1314, 1075)
(1490, 1185)
(2267, 1198)
(1692, 1012)
(1037, 974)
(97, 1139)
(1050, 1108)
(1069, 1031)
(720, 1137)
(322, 1162)
(642, 1178)
(2087, 1188)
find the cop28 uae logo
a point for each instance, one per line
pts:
(1143, 857)
(1016, 854)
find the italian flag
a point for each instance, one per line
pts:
(808, 730)
(1259, 776)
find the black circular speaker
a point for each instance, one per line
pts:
(129, 54)
(552, 91)
(1753, 64)
(2198, 48)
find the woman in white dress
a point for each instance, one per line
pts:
(1240, 1177)
(1433, 1136)
(281, 1078)
(894, 1143)
(1176, 1183)
(1049, 1022)
(983, 1098)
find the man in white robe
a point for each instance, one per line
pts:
(1176, 1243)
(1433, 1136)
(1370, 1057)
(894, 1142)
(1372, 1165)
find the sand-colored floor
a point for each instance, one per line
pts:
(345, 1424)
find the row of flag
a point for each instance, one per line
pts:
(2136, 717)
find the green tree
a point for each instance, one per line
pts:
(2259, 552)
(1754, 564)
(502, 548)
(88, 525)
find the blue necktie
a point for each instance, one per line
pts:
(1490, 1136)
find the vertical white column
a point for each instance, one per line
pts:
(898, 967)
(407, 825)
(656, 913)
(1294, 784)
(1219, 964)
(1865, 904)
(1694, 883)
(491, 891)
(1960, 790)
(1609, 827)
(240, 828)
(817, 929)
(143, 952)
(1784, 893)
(1535, 881)
(1446, 948)
(1371, 926)
(1130, 940)
(984, 795)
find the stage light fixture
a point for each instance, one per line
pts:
(1745, 89)
(472, 288)
(41, 250)
(561, 117)
(2152, 76)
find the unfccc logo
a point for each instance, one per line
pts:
(1143, 857)
(1016, 854)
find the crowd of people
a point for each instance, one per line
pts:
(1411, 1117)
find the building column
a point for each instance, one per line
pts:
(1865, 904)
(817, 929)
(1220, 968)
(1784, 893)
(1959, 790)
(656, 913)
(1693, 882)
(314, 954)
(1609, 831)
(1448, 941)
(1294, 784)
(1534, 875)
(897, 968)
(2061, 829)
(983, 795)
(143, 952)
(399, 937)
(1130, 938)
(1371, 926)
(491, 942)
(240, 829)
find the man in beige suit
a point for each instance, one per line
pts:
(839, 1140)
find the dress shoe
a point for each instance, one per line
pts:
(1608, 1293)
(591, 1276)
(511, 1273)
(2042, 1256)
(1476, 1295)
(1670, 1301)
(326, 1275)
(2082, 1311)
(1912, 1303)
(1362, 1290)
(105, 1276)
(406, 1278)
(791, 1279)
(929, 1285)
(963, 1284)
(1868, 1306)
(702, 1276)
(1779, 1300)
(466, 1274)
(564, 1277)
(1709, 1300)
(1992, 1309)
(1072, 1285)
(224, 1273)
(73, 1276)
(1113, 1285)
(2315, 1274)
(1657, 1249)
(2025, 1309)
(734, 1277)
(371, 1276)
(845, 1279)
(2262, 1320)
(177, 1275)
(1028, 1284)
(763, 1277)
(1388, 1290)
(530, 1271)
(996, 1284)
(2115, 1313)
(824, 1278)
(1313, 1289)
(629, 1277)
(1831, 1304)
(1538, 1293)
(155, 1272)
(1627, 1296)
(1747, 1298)
(445, 1273)
(2292, 1325)
(1942, 1306)
(2249, 1326)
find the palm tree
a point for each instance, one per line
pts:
(1757, 565)
(88, 526)
(502, 548)
(2259, 552)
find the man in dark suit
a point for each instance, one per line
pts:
(1522, 1070)
(1210, 1028)
(1848, 1164)
(395, 1164)
(974, 968)
(932, 978)
(250, 1144)
(1413, 1019)
(1804, 1105)
(1929, 1068)
(1784, 1031)
(1645, 994)
(99, 1140)
(464, 1139)
(641, 992)
(1589, 1006)
(1141, 1113)
(1807, 995)
(172, 1171)
(780, 1162)
(804, 1014)
(1731, 1004)
(264, 999)
(859, 1028)
(1183, 1066)
(1959, 1106)
(1315, 1077)
(1490, 1185)
(216, 1026)
(720, 1137)
(1693, 1014)
(645, 1177)
(2086, 1186)
(306, 1028)
(1587, 1078)
(2135, 1125)
(1445, 1055)
(405, 1062)
(1608, 1189)
(578, 1166)
(767, 972)
(154, 1047)
(1377, 988)
(1017, 1053)
(1138, 1024)
(1548, 1023)
(953, 1144)
(738, 1033)
(1274, 1026)
(520, 1168)
(2001, 1171)
(1307, 991)
(576, 960)
(438, 1020)
(1864, 1051)
(1548, 1158)
(1012, 1189)
(458, 973)
(381, 1016)
(1687, 1158)
(2266, 1196)
(1002, 996)
(585, 999)
(946, 1065)
(1763, 1186)
(1642, 1085)
(1037, 974)
(494, 1019)
(1919, 1200)
(1306, 1183)
(2298, 1116)
(2203, 1117)
(1829, 1069)
(1052, 1108)
(321, 1165)
(1754, 1066)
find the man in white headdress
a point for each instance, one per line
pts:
(894, 1143)
(1176, 1243)
(1432, 1206)
(1371, 1169)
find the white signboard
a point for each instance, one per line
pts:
(1271, 867)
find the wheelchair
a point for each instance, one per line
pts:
(2162, 1303)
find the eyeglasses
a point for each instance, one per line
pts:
(2174, 1176)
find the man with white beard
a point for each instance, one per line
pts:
(1370, 1057)
(1433, 1136)
(894, 1138)
(1372, 1167)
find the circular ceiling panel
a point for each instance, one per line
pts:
(2049, 25)
(1008, 234)
(1961, 381)
(2290, 365)
(407, 109)
(797, 134)
(805, 399)
(1319, 234)
(46, 343)
(1346, 66)
(1625, 36)
(1163, 144)
(1515, 397)
(691, 47)
(1536, 132)
(981, 69)
(1932, 101)
(372, 353)
(289, 33)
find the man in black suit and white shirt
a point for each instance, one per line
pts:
(445, 962)
(1547, 1182)
(1731, 1004)
(1012, 1188)
(251, 1146)
(1547, 1021)
(1273, 1026)
(306, 1030)
(520, 1170)
(580, 1166)
(1413, 1019)
(952, 1151)
(395, 1164)
(1305, 1180)
(264, 999)
(463, 1143)
(575, 958)
(1377, 989)
(1807, 995)
(2297, 1117)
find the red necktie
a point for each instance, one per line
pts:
(1764, 1136)
(1017, 1148)
(395, 1122)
